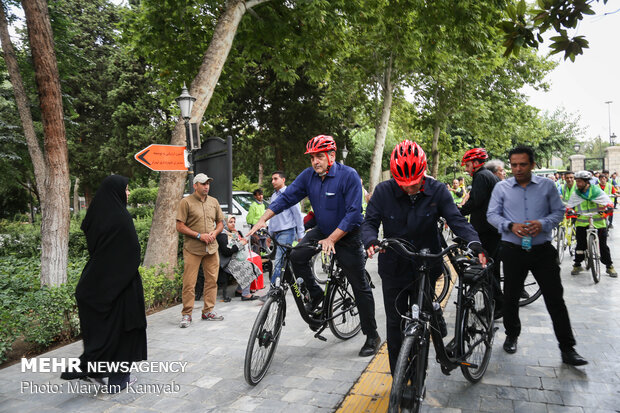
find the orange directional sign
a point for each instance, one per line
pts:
(163, 157)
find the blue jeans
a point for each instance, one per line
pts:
(286, 236)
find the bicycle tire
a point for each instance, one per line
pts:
(444, 280)
(531, 287)
(318, 268)
(594, 258)
(477, 332)
(263, 340)
(409, 376)
(341, 300)
(561, 244)
(571, 241)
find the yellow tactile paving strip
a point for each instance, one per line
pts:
(371, 393)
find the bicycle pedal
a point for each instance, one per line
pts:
(320, 337)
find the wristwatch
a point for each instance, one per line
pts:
(198, 236)
(509, 226)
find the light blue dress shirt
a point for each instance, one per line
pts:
(288, 218)
(538, 201)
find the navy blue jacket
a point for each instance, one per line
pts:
(416, 223)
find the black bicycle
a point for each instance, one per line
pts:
(471, 347)
(338, 311)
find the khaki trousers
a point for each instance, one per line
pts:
(210, 267)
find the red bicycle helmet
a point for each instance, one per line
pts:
(320, 143)
(476, 153)
(408, 163)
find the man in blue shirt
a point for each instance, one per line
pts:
(408, 206)
(285, 227)
(528, 207)
(335, 192)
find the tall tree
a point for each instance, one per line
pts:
(23, 106)
(56, 218)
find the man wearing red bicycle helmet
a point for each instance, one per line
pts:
(476, 207)
(409, 206)
(335, 192)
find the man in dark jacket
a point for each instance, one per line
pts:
(476, 206)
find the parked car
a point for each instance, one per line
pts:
(241, 205)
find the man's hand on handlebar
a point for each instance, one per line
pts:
(481, 252)
(259, 225)
(373, 248)
(328, 245)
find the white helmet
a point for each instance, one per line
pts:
(583, 175)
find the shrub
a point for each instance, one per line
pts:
(142, 196)
(159, 289)
(143, 211)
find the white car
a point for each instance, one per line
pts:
(241, 205)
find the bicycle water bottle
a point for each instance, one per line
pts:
(526, 241)
(443, 328)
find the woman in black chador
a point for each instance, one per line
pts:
(109, 294)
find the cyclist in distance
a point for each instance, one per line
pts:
(587, 198)
(335, 192)
(483, 182)
(409, 206)
(568, 187)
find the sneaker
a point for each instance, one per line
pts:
(212, 316)
(186, 321)
(611, 271)
(576, 270)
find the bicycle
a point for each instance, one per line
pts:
(558, 236)
(569, 232)
(474, 327)
(592, 252)
(320, 266)
(338, 311)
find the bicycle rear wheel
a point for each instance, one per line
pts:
(408, 388)
(594, 258)
(560, 244)
(443, 283)
(264, 339)
(341, 303)
(477, 332)
(320, 266)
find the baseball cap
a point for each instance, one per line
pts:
(202, 178)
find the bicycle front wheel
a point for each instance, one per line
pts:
(594, 258)
(319, 264)
(342, 312)
(264, 340)
(408, 388)
(477, 332)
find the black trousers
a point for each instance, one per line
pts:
(491, 241)
(541, 261)
(350, 255)
(582, 245)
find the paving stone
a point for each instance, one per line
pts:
(521, 406)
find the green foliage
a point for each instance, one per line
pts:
(243, 183)
(523, 28)
(159, 289)
(144, 196)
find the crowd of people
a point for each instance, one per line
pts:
(509, 220)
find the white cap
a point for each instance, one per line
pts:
(202, 178)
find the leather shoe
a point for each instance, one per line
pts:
(573, 358)
(250, 298)
(510, 345)
(314, 303)
(370, 347)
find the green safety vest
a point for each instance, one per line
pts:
(590, 207)
(456, 198)
(567, 192)
(607, 188)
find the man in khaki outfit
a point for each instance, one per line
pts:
(200, 219)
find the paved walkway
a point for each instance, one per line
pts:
(308, 375)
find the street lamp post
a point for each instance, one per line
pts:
(185, 102)
(345, 152)
(576, 147)
(611, 139)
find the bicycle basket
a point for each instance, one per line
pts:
(475, 273)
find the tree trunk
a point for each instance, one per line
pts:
(435, 152)
(76, 198)
(381, 129)
(23, 107)
(261, 173)
(163, 238)
(55, 223)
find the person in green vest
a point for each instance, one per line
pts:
(608, 188)
(568, 187)
(588, 198)
(257, 208)
(457, 192)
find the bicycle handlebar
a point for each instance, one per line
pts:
(390, 242)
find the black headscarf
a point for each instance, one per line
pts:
(109, 294)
